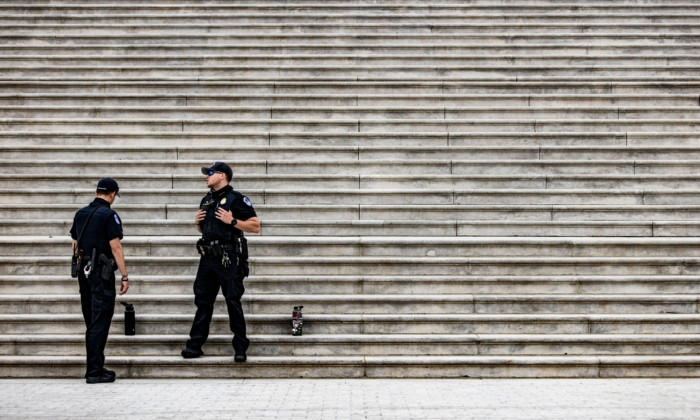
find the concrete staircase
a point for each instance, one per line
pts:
(451, 188)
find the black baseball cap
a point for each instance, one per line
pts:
(219, 167)
(108, 185)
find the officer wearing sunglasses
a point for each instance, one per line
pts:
(224, 214)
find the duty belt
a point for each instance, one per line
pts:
(214, 248)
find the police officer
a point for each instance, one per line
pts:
(223, 216)
(97, 227)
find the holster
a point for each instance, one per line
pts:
(108, 267)
(243, 260)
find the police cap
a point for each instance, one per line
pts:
(108, 185)
(219, 167)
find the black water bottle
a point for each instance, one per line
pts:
(129, 319)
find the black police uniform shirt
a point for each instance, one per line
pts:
(230, 200)
(104, 226)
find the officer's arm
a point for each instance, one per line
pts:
(74, 245)
(118, 252)
(251, 225)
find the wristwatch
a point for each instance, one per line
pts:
(125, 278)
(233, 223)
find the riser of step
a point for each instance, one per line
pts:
(462, 155)
(371, 182)
(298, 140)
(360, 367)
(373, 324)
(349, 345)
(129, 169)
(340, 71)
(407, 246)
(400, 61)
(398, 48)
(350, 86)
(375, 266)
(164, 285)
(141, 168)
(442, 39)
(344, 113)
(340, 100)
(364, 167)
(102, 125)
(286, 217)
(379, 197)
(538, 3)
(391, 228)
(433, 10)
(419, 22)
(380, 304)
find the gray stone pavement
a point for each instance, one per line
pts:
(354, 399)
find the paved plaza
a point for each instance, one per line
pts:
(353, 399)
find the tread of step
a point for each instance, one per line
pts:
(367, 366)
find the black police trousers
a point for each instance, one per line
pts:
(97, 300)
(211, 276)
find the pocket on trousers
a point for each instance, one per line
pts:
(109, 288)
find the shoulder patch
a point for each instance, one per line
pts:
(116, 219)
(245, 200)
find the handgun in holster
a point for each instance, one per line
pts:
(108, 267)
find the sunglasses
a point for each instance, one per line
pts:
(210, 173)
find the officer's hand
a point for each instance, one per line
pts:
(125, 288)
(201, 214)
(224, 216)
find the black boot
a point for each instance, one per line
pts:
(106, 377)
(240, 346)
(190, 353)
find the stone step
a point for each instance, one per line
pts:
(127, 50)
(286, 216)
(382, 266)
(353, 71)
(463, 155)
(367, 345)
(360, 38)
(374, 324)
(538, 3)
(344, 113)
(263, 86)
(380, 304)
(363, 18)
(380, 285)
(300, 140)
(370, 246)
(73, 168)
(360, 367)
(389, 10)
(142, 125)
(401, 62)
(397, 24)
(445, 228)
(376, 197)
(367, 182)
(346, 100)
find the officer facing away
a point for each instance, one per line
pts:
(96, 233)
(223, 216)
